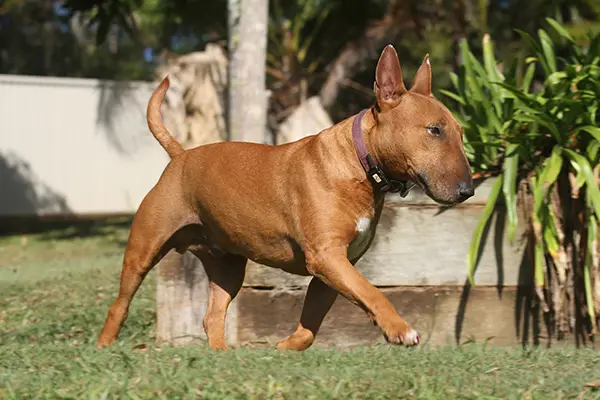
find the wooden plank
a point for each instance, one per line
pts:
(441, 315)
(181, 299)
(419, 245)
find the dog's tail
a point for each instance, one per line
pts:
(156, 124)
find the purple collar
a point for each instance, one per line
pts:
(374, 172)
(359, 143)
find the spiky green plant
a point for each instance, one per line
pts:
(290, 68)
(540, 138)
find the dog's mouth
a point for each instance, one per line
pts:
(422, 183)
(404, 187)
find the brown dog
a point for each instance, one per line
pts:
(308, 207)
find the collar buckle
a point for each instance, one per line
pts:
(379, 180)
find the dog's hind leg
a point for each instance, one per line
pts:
(226, 275)
(318, 302)
(151, 237)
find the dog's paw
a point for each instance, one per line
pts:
(409, 337)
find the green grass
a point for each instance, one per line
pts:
(55, 289)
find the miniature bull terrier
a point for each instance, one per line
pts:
(309, 207)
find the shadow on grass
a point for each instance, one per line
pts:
(65, 228)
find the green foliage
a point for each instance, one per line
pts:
(293, 36)
(543, 145)
(311, 42)
(292, 61)
(305, 39)
(106, 13)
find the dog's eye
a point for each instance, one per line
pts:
(434, 130)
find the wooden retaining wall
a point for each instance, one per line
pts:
(418, 259)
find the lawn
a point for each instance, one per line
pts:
(55, 289)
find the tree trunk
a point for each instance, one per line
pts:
(247, 54)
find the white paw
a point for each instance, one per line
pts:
(411, 338)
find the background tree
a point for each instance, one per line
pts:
(315, 47)
(247, 46)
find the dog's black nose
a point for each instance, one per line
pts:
(466, 190)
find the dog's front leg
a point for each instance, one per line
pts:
(333, 268)
(318, 302)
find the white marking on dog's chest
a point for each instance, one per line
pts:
(365, 233)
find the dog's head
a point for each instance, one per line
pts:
(416, 136)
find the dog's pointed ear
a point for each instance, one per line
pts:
(388, 79)
(422, 81)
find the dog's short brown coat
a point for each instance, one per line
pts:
(304, 207)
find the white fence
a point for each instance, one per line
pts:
(75, 146)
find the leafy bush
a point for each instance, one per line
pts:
(533, 125)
